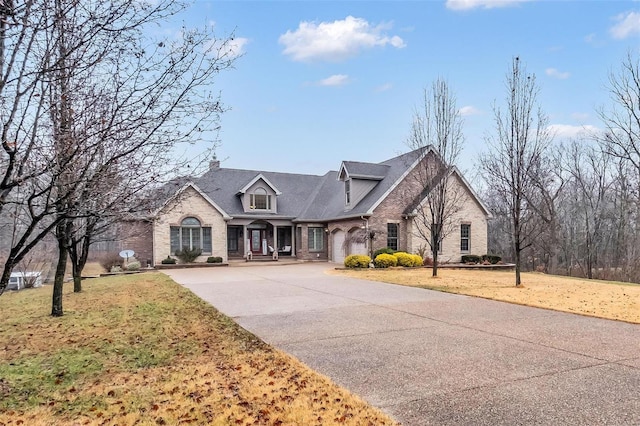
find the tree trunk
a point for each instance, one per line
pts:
(6, 274)
(77, 278)
(58, 282)
(434, 269)
(518, 253)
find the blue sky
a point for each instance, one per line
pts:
(319, 82)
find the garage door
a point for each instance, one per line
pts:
(338, 247)
(358, 248)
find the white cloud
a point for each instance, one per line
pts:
(627, 24)
(468, 110)
(231, 47)
(552, 72)
(384, 87)
(567, 131)
(483, 4)
(335, 41)
(335, 80)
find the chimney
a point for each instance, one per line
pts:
(215, 163)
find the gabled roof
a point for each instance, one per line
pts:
(359, 170)
(254, 180)
(221, 184)
(312, 198)
(328, 204)
(199, 191)
(420, 199)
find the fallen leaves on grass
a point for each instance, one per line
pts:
(603, 299)
(143, 350)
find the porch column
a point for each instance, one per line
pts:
(293, 241)
(245, 237)
(275, 238)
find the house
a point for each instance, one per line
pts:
(236, 214)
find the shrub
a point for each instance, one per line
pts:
(214, 259)
(408, 260)
(491, 258)
(417, 260)
(133, 266)
(187, 255)
(109, 260)
(428, 261)
(471, 258)
(384, 260)
(357, 261)
(385, 250)
(168, 261)
(404, 259)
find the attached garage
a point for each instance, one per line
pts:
(338, 246)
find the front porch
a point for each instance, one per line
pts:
(260, 240)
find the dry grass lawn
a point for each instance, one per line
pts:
(603, 299)
(142, 350)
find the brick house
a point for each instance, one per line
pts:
(234, 213)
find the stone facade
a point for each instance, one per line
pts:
(189, 203)
(469, 212)
(393, 210)
(379, 194)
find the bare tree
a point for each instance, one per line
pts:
(108, 101)
(514, 152)
(621, 138)
(591, 186)
(438, 125)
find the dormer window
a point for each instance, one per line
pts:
(260, 200)
(347, 192)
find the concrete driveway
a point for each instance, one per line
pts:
(427, 357)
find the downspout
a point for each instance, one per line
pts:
(368, 237)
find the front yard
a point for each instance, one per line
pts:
(143, 350)
(603, 299)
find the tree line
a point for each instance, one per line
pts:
(567, 207)
(559, 206)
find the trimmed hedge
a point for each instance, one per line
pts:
(408, 260)
(214, 259)
(385, 250)
(357, 261)
(471, 258)
(133, 266)
(384, 260)
(491, 258)
(168, 261)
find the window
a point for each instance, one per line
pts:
(465, 234)
(316, 239)
(232, 238)
(191, 235)
(347, 192)
(260, 200)
(392, 235)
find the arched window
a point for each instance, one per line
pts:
(191, 235)
(260, 200)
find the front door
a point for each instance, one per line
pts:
(256, 240)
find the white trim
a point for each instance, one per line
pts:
(254, 180)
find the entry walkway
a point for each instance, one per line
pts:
(431, 358)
